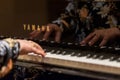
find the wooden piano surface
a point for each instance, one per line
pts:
(70, 67)
(63, 58)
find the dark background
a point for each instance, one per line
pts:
(15, 13)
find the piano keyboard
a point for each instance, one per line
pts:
(102, 63)
(95, 60)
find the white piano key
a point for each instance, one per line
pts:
(82, 62)
(84, 59)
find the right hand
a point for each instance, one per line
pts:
(104, 35)
(52, 28)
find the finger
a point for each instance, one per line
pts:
(39, 52)
(58, 36)
(46, 35)
(35, 45)
(94, 40)
(88, 38)
(34, 34)
(38, 46)
(104, 41)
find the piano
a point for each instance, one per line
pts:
(98, 63)
(73, 59)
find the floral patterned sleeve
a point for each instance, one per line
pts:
(105, 14)
(97, 14)
(9, 49)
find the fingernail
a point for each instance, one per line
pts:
(43, 39)
(82, 42)
(90, 43)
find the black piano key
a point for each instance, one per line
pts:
(101, 57)
(52, 51)
(118, 60)
(78, 55)
(63, 52)
(58, 52)
(117, 50)
(73, 54)
(95, 56)
(45, 50)
(89, 55)
(112, 58)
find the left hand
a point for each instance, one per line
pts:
(104, 35)
(25, 47)
(30, 46)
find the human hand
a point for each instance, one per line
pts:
(104, 35)
(30, 46)
(25, 47)
(6, 68)
(47, 32)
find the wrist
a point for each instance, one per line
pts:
(13, 47)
